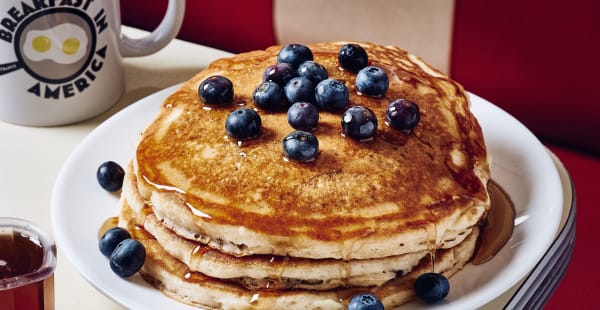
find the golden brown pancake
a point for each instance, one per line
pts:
(399, 193)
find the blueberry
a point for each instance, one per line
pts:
(300, 146)
(372, 81)
(359, 123)
(111, 238)
(353, 57)
(269, 96)
(294, 54)
(279, 73)
(402, 114)
(365, 302)
(313, 71)
(331, 95)
(243, 123)
(110, 176)
(432, 287)
(217, 90)
(127, 258)
(299, 89)
(303, 116)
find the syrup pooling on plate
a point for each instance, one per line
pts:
(109, 223)
(499, 227)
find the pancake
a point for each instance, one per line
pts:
(265, 272)
(397, 194)
(177, 281)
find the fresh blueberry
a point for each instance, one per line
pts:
(300, 146)
(111, 238)
(365, 302)
(331, 95)
(127, 258)
(402, 114)
(299, 89)
(303, 116)
(353, 57)
(372, 81)
(294, 54)
(359, 123)
(432, 287)
(217, 90)
(110, 176)
(313, 71)
(279, 73)
(269, 96)
(243, 123)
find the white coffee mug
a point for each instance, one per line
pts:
(62, 61)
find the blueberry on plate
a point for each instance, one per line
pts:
(303, 116)
(402, 114)
(300, 89)
(353, 57)
(294, 54)
(359, 123)
(372, 81)
(110, 176)
(365, 302)
(111, 238)
(432, 287)
(127, 258)
(216, 90)
(300, 146)
(243, 124)
(269, 96)
(313, 71)
(331, 95)
(279, 73)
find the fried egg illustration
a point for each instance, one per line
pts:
(64, 44)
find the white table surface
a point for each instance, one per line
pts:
(31, 157)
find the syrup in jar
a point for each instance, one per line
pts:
(27, 262)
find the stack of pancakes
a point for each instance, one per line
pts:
(234, 225)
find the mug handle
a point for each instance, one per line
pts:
(161, 36)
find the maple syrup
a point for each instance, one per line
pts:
(108, 224)
(198, 253)
(499, 226)
(26, 267)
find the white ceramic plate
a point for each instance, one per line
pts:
(520, 164)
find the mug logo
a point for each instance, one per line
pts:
(63, 44)
(55, 43)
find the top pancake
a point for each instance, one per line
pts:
(399, 193)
